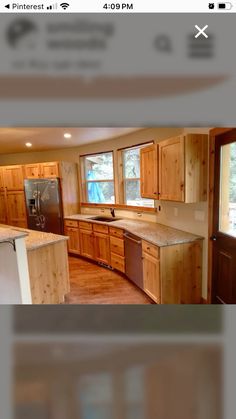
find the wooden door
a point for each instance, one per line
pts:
(149, 171)
(16, 210)
(102, 247)
(224, 236)
(13, 178)
(151, 277)
(3, 209)
(171, 169)
(74, 241)
(49, 170)
(86, 243)
(32, 171)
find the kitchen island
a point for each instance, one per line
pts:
(47, 265)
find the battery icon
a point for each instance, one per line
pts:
(225, 6)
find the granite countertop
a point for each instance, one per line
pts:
(33, 239)
(157, 234)
(9, 234)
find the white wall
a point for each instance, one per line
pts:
(9, 277)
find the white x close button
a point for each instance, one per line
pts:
(201, 32)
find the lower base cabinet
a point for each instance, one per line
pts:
(175, 276)
(74, 240)
(86, 244)
(171, 274)
(102, 247)
(151, 277)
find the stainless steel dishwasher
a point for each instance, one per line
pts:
(133, 259)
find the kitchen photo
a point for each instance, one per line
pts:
(117, 215)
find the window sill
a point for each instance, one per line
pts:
(119, 206)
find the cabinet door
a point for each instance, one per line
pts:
(16, 209)
(1, 179)
(73, 242)
(49, 170)
(151, 277)
(13, 178)
(149, 172)
(3, 210)
(32, 171)
(171, 169)
(86, 243)
(102, 248)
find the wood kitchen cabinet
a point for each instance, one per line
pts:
(87, 243)
(151, 272)
(171, 169)
(16, 212)
(149, 171)
(117, 248)
(175, 169)
(46, 170)
(74, 240)
(49, 170)
(13, 178)
(172, 274)
(12, 199)
(1, 179)
(102, 248)
(32, 171)
(183, 168)
(3, 212)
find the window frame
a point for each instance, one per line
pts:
(84, 182)
(124, 179)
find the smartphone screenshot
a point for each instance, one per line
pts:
(117, 209)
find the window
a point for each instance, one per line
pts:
(99, 178)
(131, 177)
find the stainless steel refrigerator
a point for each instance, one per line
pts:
(44, 205)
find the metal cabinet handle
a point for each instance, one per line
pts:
(213, 237)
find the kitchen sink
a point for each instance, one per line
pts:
(104, 219)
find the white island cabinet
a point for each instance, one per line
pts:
(14, 273)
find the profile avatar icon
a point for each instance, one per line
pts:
(22, 33)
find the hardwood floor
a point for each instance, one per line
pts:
(93, 284)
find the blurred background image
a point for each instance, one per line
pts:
(81, 365)
(117, 69)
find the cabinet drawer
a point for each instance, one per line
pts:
(118, 262)
(116, 232)
(117, 246)
(100, 228)
(85, 226)
(71, 223)
(151, 249)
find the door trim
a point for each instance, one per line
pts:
(213, 137)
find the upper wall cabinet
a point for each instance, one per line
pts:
(171, 169)
(49, 170)
(182, 166)
(149, 171)
(13, 178)
(42, 170)
(32, 171)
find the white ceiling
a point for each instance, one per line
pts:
(12, 140)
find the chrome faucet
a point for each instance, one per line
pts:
(112, 210)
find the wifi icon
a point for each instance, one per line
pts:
(64, 5)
